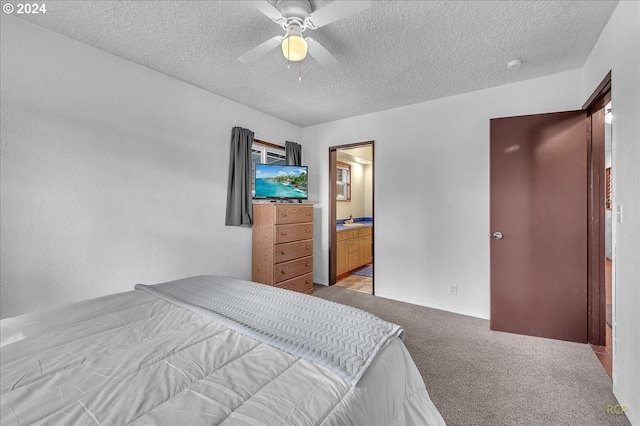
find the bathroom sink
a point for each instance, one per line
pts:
(353, 224)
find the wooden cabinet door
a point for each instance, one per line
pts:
(353, 262)
(342, 252)
(364, 249)
(353, 245)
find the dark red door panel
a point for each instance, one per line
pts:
(538, 186)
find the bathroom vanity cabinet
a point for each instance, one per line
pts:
(354, 249)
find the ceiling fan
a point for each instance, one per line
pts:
(295, 16)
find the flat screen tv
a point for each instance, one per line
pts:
(280, 182)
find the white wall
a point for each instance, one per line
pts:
(356, 206)
(431, 188)
(618, 50)
(112, 174)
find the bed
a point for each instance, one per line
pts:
(208, 350)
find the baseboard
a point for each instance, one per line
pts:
(631, 407)
(321, 282)
(440, 307)
(633, 419)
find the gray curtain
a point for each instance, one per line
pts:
(239, 206)
(293, 153)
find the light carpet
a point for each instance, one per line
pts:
(476, 376)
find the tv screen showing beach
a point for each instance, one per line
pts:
(275, 181)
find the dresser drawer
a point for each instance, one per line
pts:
(293, 232)
(293, 268)
(353, 233)
(289, 251)
(303, 284)
(293, 214)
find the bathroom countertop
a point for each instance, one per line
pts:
(341, 227)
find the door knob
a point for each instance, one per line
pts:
(497, 235)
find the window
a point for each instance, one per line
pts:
(265, 153)
(343, 181)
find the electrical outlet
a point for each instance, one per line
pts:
(454, 290)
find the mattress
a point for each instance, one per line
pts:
(135, 358)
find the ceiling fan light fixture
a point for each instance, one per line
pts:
(294, 46)
(296, 16)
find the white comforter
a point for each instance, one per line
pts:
(132, 358)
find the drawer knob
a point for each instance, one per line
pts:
(307, 264)
(282, 252)
(308, 229)
(283, 214)
(308, 214)
(307, 281)
(283, 233)
(282, 271)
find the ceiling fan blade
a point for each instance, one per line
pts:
(261, 50)
(335, 11)
(321, 54)
(268, 9)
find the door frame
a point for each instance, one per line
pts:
(594, 145)
(596, 297)
(333, 243)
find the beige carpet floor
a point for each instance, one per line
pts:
(476, 376)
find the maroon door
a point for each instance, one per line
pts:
(539, 225)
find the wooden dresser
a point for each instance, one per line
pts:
(282, 253)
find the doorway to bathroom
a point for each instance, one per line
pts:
(351, 218)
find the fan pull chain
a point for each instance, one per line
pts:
(289, 49)
(300, 71)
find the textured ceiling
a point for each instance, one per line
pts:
(395, 53)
